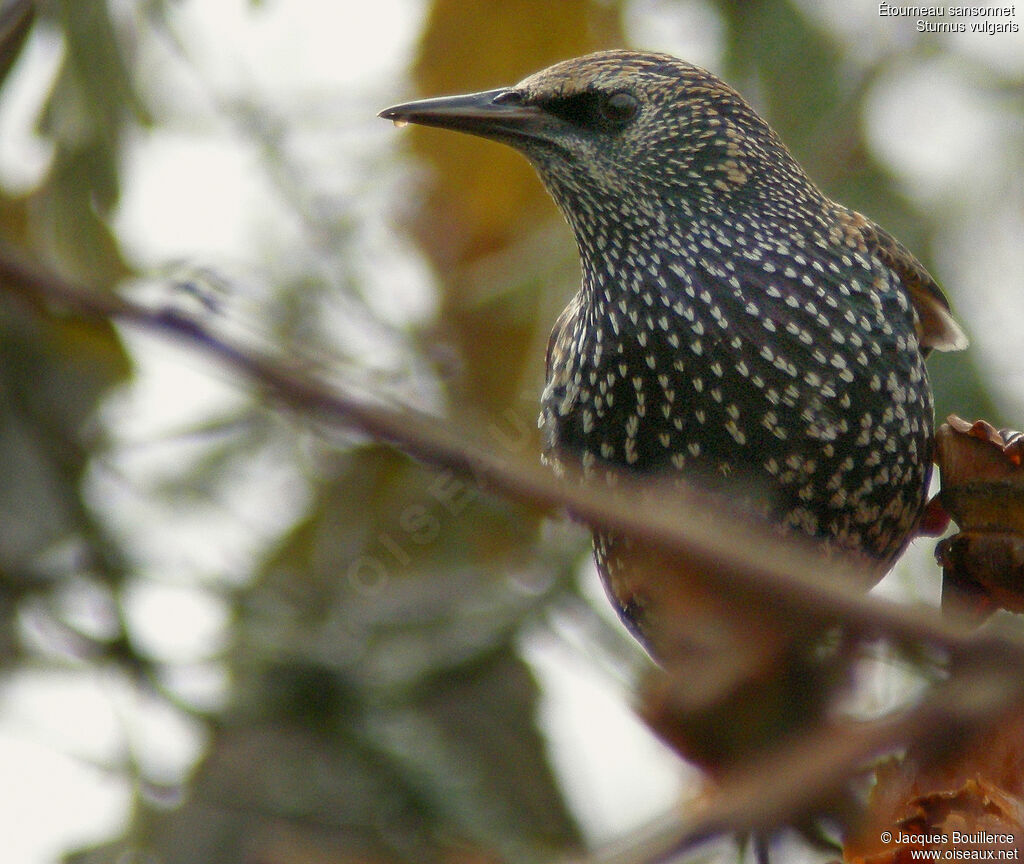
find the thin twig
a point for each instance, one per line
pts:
(727, 549)
(796, 778)
(794, 576)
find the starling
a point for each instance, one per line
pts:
(733, 323)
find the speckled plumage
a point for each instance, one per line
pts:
(733, 323)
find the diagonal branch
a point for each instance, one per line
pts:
(728, 551)
(797, 777)
(729, 548)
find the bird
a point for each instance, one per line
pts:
(733, 325)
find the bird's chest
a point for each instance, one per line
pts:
(611, 403)
(735, 382)
(645, 386)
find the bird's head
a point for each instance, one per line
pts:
(628, 130)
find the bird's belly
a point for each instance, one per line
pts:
(840, 452)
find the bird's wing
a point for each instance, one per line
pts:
(936, 326)
(556, 382)
(561, 331)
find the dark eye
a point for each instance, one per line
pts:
(619, 108)
(592, 109)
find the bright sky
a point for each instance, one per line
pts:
(56, 729)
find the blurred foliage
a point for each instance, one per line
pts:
(54, 372)
(491, 315)
(378, 708)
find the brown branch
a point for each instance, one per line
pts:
(796, 778)
(727, 550)
(728, 547)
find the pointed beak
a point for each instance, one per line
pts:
(497, 114)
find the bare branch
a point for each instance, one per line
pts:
(796, 576)
(799, 776)
(796, 580)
